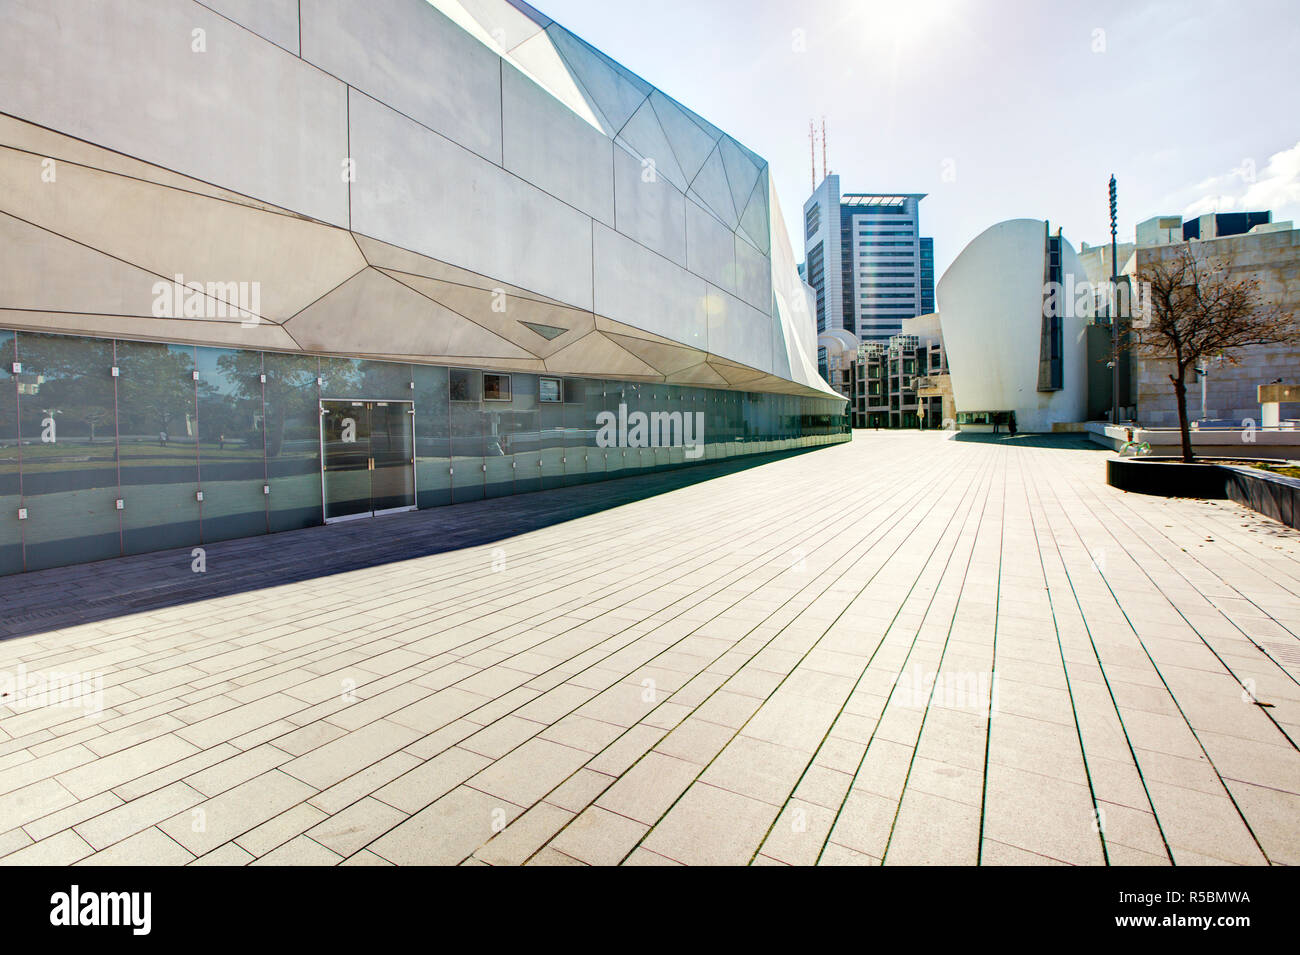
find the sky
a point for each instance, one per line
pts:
(997, 109)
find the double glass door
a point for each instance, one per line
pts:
(367, 457)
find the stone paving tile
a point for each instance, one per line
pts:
(236, 811)
(66, 818)
(711, 826)
(529, 833)
(150, 847)
(335, 761)
(448, 831)
(125, 765)
(62, 849)
(353, 828)
(432, 779)
(355, 787)
(549, 856)
(365, 857)
(137, 815)
(300, 851)
(214, 770)
(647, 790)
(276, 832)
(528, 773)
(229, 854)
(754, 678)
(599, 837)
(32, 802)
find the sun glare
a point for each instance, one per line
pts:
(890, 21)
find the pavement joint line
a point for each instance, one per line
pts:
(993, 669)
(858, 681)
(826, 630)
(952, 622)
(1119, 716)
(1069, 685)
(1165, 684)
(755, 627)
(1287, 673)
(866, 495)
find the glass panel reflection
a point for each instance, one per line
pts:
(292, 433)
(432, 438)
(69, 453)
(158, 440)
(11, 531)
(468, 424)
(232, 453)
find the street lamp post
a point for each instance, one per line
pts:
(1114, 313)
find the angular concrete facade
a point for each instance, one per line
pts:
(264, 265)
(472, 172)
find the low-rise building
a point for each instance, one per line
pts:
(902, 383)
(899, 383)
(1249, 245)
(1227, 393)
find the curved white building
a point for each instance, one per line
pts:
(1014, 323)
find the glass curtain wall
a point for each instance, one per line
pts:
(11, 493)
(119, 447)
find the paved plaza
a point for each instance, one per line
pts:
(912, 648)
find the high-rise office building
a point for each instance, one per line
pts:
(866, 260)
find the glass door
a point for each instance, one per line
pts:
(392, 456)
(367, 458)
(345, 459)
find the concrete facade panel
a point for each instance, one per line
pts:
(137, 78)
(472, 213)
(407, 54)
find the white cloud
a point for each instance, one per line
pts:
(1247, 188)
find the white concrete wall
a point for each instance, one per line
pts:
(244, 114)
(482, 135)
(423, 192)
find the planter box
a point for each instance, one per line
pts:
(1272, 495)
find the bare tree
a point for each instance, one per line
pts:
(1193, 309)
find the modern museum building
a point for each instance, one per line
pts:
(270, 265)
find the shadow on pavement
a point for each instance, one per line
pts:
(52, 599)
(1022, 439)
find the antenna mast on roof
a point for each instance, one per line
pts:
(825, 172)
(812, 153)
